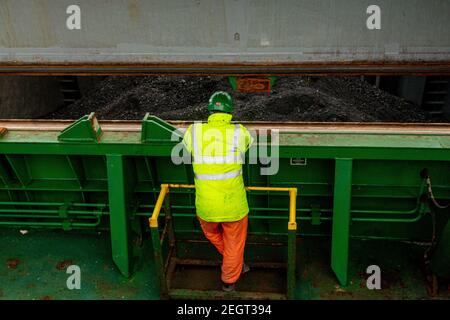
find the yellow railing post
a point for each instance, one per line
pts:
(292, 224)
(158, 205)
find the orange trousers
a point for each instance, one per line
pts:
(229, 239)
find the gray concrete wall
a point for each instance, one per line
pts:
(28, 97)
(238, 31)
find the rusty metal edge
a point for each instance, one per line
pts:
(230, 69)
(135, 126)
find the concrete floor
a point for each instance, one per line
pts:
(33, 266)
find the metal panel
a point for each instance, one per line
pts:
(225, 36)
(355, 182)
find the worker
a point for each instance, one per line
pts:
(218, 149)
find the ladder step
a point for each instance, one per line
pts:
(436, 92)
(434, 102)
(437, 81)
(68, 87)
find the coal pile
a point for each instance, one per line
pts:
(292, 99)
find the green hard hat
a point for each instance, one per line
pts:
(221, 101)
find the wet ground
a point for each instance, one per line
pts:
(33, 266)
(327, 99)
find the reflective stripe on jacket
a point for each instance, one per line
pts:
(218, 149)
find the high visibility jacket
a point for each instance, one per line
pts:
(218, 149)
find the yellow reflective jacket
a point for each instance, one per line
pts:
(218, 149)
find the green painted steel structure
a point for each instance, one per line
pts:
(350, 184)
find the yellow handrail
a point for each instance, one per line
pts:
(159, 202)
(292, 224)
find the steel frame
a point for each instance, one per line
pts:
(165, 267)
